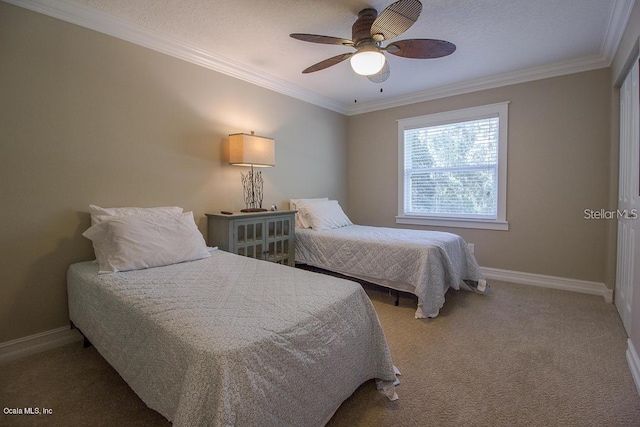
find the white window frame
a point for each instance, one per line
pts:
(499, 110)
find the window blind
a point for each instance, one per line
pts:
(451, 170)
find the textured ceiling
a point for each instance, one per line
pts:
(496, 40)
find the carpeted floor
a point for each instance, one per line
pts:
(523, 356)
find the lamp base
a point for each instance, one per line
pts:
(253, 210)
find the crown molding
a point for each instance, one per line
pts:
(105, 23)
(618, 21)
(117, 27)
(506, 79)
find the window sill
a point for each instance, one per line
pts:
(456, 223)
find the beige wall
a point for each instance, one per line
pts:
(87, 118)
(558, 166)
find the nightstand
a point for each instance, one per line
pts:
(269, 236)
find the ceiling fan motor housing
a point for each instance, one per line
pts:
(361, 30)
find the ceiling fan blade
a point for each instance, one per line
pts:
(421, 48)
(396, 19)
(315, 38)
(327, 63)
(382, 75)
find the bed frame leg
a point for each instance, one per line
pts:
(397, 303)
(85, 342)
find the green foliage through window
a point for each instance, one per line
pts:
(452, 169)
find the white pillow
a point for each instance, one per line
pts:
(296, 204)
(325, 215)
(96, 211)
(135, 242)
(99, 215)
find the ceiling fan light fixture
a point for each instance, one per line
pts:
(367, 62)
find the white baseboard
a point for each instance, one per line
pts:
(21, 347)
(634, 364)
(574, 285)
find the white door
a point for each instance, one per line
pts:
(627, 269)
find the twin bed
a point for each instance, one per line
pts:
(229, 340)
(205, 337)
(217, 339)
(423, 263)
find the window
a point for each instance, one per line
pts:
(453, 168)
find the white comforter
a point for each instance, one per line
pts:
(229, 340)
(425, 263)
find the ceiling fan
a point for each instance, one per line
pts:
(368, 33)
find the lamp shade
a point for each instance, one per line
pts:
(367, 62)
(251, 150)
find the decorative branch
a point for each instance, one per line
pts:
(253, 185)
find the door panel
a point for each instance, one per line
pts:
(627, 269)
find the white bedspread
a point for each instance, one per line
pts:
(425, 263)
(229, 340)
